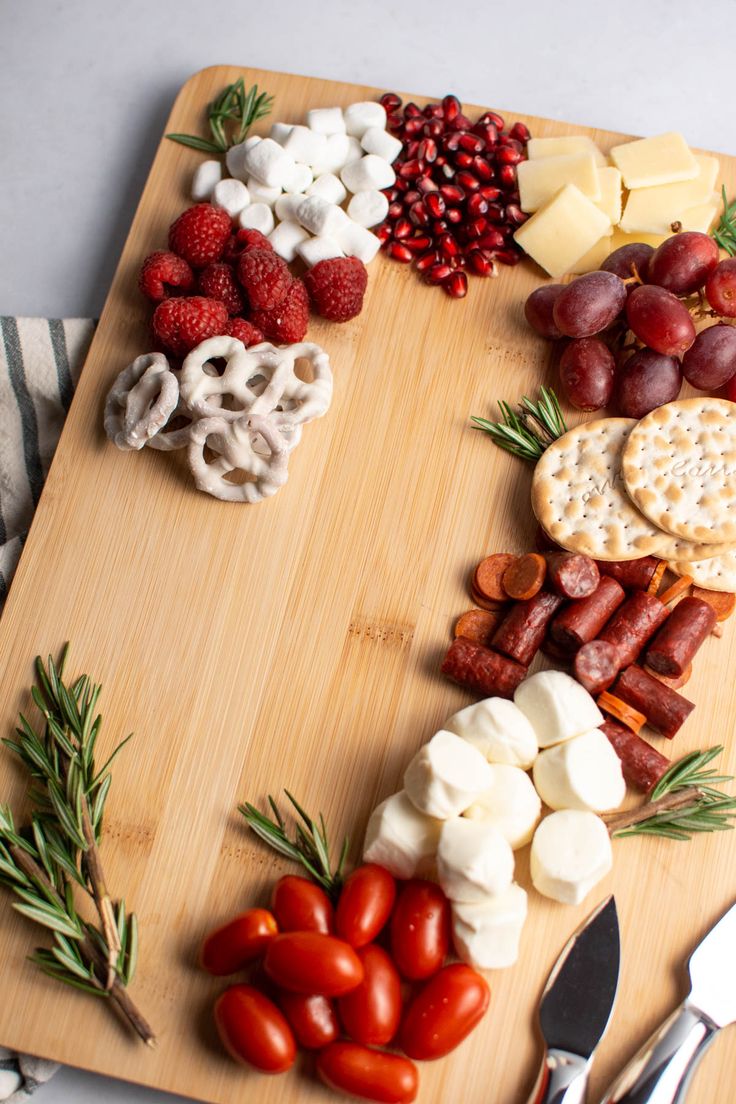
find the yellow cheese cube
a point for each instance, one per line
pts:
(655, 209)
(610, 201)
(700, 217)
(537, 148)
(561, 231)
(664, 159)
(594, 258)
(540, 180)
(621, 238)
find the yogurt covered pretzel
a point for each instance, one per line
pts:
(234, 442)
(140, 401)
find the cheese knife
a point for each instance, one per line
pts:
(661, 1071)
(576, 1006)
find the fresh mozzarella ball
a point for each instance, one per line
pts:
(582, 773)
(473, 860)
(486, 933)
(571, 852)
(510, 804)
(557, 707)
(401, 838)
(446, 776)
(499, 730)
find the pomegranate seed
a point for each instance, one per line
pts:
(401, 185)
(520, 131)
(495, 212)
(451, 143)
(482, 168)
(447, 171)
(447, 246)
(402, 229)
(510, 143)
(438, 273)
(454, 215)
(515, 214)
(507, 176)
(508, 256)
(508, 156)
(418, 214)
(463, 160)
(456, 285)
(433, 129)
(460, 122)
(419, 243)
(411, 197)
(451, 107)
(489, 192)
(476, 228)
(395, 123)
(411, 148)
(400, 252)
(426, 184)
(467, 181)
(427, 261)
(435, 204)
(427, 150)
(492, 239)
(471, 142)
(413, 127)
(395, 210)
(493, 118)
(440, 226)
(441, 160)
(477, 205)
(487, 132)
(457, 262)
(390, 101)
(451, 193)
(479, 263)
(410, 170)
(411, 111)
(383, 233)
(391, 194)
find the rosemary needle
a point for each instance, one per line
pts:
(235, 109)
(527, 430)
(725, 232)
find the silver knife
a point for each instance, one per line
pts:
(661, 1071)
(576, 1007)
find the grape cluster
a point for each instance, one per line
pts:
(629, 328)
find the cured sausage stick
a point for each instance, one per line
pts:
(596, 665)
(666, 711)
(643, 765)
(572, 574)
(581, 621)
(690, 623)
(521, 633)
(633, 624)
(481, 669)
(632, 574)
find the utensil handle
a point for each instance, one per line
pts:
(660, 1072)
(563, 1079)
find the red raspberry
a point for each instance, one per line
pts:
(336, 287)
(265, 277)
(180, 324)
(217, 281)
(288, 322)
(244, 331)
(163, 274)
(242, 240)
(200, 233)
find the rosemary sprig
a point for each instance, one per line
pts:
(230, 117)
(58, 853)
(684, 801)
(309, 845)
(530, 428)
(725, 232)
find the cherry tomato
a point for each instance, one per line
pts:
(365, 904)
(313, 1019)
(235, 944)
(420, 929)
(253, 1029)
(444, 1012)
(301, 905)
(370, 1074)
(371, 1013)
(309, 962)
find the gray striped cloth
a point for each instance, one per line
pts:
(40, 362)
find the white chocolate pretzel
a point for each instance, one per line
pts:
(140, 401)
(233, 442)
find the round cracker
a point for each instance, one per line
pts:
(677, 549)
(579, 498)
(679, 467)
(717, 573)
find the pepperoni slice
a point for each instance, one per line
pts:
(488, 578)
(478, 625)
(721, 601)
(525, 576)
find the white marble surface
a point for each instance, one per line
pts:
(86, 86)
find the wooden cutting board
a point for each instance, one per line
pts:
(296, 644)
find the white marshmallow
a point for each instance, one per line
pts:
(486, 933)
(368, 208)
(258, 216)
(286, 206)
(379, 141)
(205, 178)
(329, 187)
(368, 173)
(581, 773)
(356, 241)
(571, 852)
(260, 193)
(249, 143)
(235, 161)
(269, 163)
(339, 152)
(231, 195)
(499, 730)
(286, 237)
(326, 120)
(300, 179)
(320, 217)
(557, 707)
(360, 116)
(10, 1082)
(306, 145)
(401, 838)
(473, 860)
(510, 804)
(446, 776)
(314, 250)
(280, 132)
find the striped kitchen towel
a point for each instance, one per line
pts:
(40, 362)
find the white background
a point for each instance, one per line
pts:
(86, 87)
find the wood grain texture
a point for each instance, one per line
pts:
(296, 643)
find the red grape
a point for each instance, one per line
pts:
(646, 380)
(720, 288)
(589, 304)
(629, 260)
(711, 359)
(586, 373)
(729, 391)
(682, 263)
(660, 320)
(538, 310)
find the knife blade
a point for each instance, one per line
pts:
(661, 1071)
(576, 1006)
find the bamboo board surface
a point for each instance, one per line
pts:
(296, 644)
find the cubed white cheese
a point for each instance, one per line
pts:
(473, 860)
(510, 804)
(557, 707)
(401, 838)
(446, 776)
(571, 852)
(486, 933)
(499, 730)
(582, 773)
